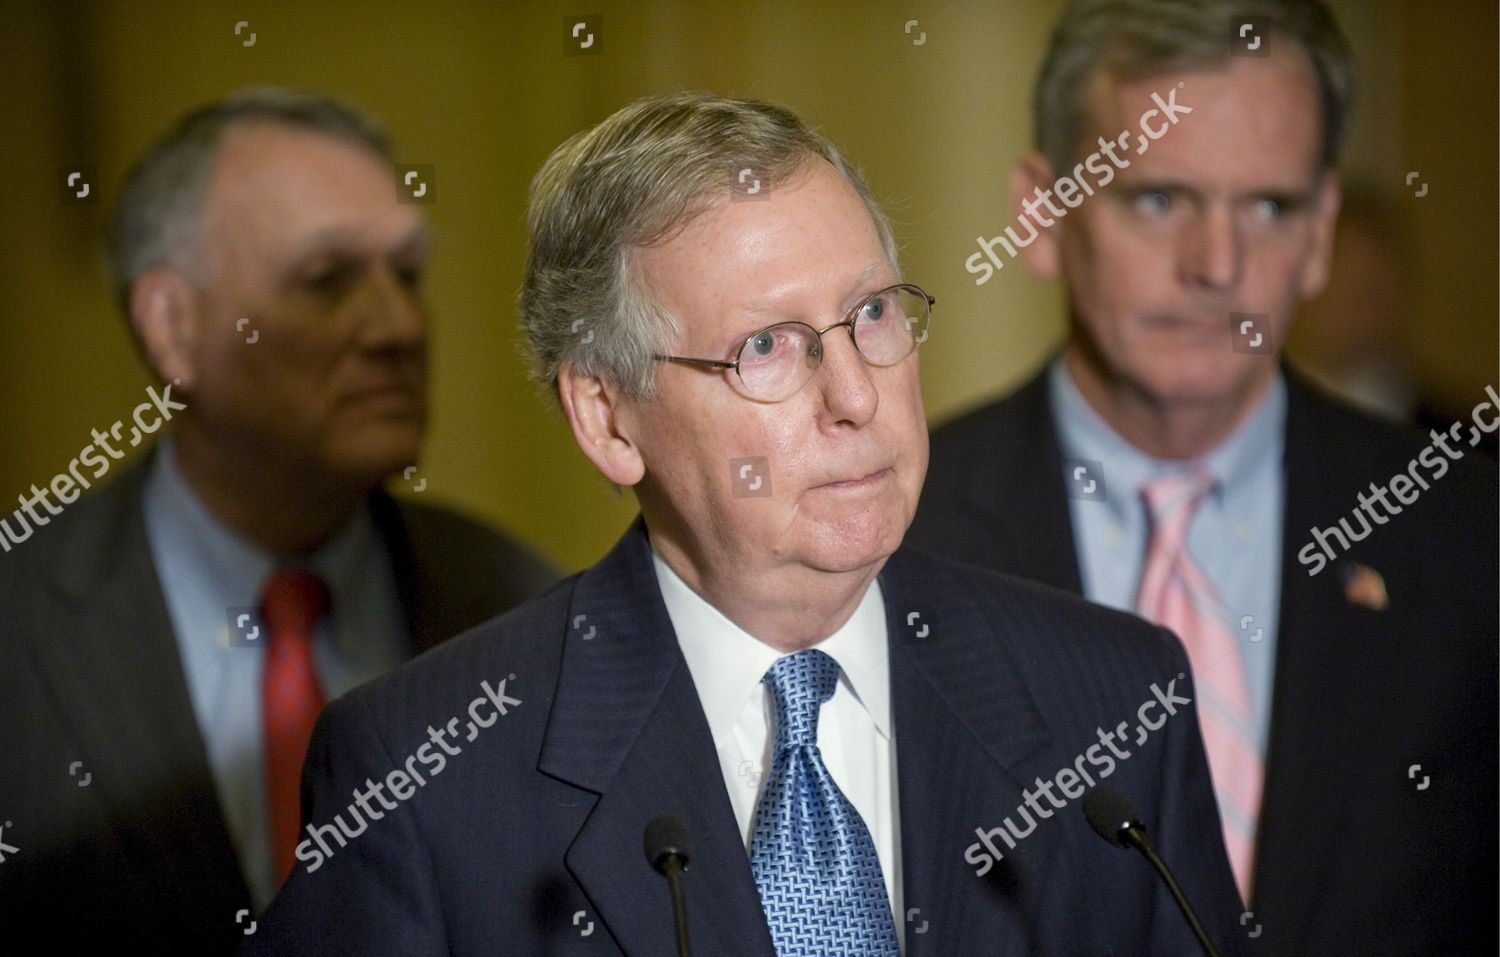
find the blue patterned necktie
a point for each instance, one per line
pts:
(814, 861)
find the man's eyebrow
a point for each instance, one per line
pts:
(346, 241)
(857, 289)
(1285, 192)
(1152, 184)
(876, 268)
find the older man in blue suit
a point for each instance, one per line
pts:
(872, 750)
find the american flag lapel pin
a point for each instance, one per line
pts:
(1364, 586)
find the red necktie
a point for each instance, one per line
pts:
(1176, 592)
(293, 603)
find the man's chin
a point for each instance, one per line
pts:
(1202, 379)
(851, 545)
(368, 460)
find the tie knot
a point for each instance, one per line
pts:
(294, 600)
(1172, 499)
(801, 683)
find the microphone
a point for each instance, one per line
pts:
(668, 852)
(1110, 815)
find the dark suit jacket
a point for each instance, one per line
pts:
(529, 840)
(90, 672)
(1352, 856)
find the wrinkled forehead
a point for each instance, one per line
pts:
(1259, 113)
(811, 243)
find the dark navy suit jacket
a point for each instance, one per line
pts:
(529, 838)
(1355, 855)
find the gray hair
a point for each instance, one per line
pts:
(1140, 38)
(637, 177)
(157, 216)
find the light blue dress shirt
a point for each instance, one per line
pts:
(206, 570)
(1235, 537)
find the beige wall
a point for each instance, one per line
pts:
(483, 91)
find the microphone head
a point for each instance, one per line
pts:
(1109, 813)
(667, 837)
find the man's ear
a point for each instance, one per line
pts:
(1320, 255)
(164, 314)
(1041, 255)
(593, 408)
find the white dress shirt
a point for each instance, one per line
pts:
(855, 733)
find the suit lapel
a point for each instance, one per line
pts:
(1313, 716)
(965, 724)
(110, 657)
(1026, 503)
(416, 588)
(627, 725)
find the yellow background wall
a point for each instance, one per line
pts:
(483, 91)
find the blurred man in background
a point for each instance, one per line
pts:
(1168, 463)
(167, 641)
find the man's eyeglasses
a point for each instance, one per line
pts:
(776, 362)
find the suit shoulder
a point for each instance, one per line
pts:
(977, 424)
(526, 641)
(462, 551)
(83, 544)
(437, 526)
(1369, 447)
(1043, 619)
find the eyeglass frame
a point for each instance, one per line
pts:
(849, 321)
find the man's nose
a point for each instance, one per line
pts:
(1211, 251)
(393, 312)
(849, 393)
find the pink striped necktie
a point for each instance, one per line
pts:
(1176, 593)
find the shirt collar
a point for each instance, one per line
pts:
(1083, 434)
(727, 662)
(222, 563)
